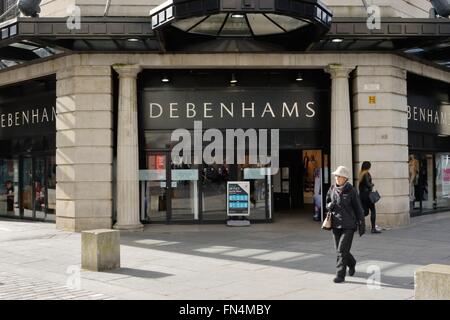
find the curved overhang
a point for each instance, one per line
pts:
(194, 21)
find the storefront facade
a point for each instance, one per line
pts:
(28, 147)
(429, 144)
(266, 105)
(116, 114)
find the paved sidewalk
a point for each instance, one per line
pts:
(289, 259)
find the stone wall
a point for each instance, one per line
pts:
(340, 8)
(381, 137)
(389, 8)
(84, 144)
(85, 128)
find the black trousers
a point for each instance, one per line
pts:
(373, 213)
(343, 239)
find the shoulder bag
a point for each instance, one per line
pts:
(326, 225)
(374, 197)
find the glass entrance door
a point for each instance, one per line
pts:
(154, 189)
(26, 190)
(184, 190)
(39, 188)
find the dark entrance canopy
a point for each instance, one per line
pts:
(27, 40)
(246, 25)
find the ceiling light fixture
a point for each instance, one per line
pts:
(165, 78)
(233, 79)
(337, 40)
(299, 77)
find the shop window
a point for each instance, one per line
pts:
(443, 180)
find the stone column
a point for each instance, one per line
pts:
(341, 125)
(381, 137)
(84, 148)
(127, 150)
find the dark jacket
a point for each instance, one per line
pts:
(345, 207)
(365, 188)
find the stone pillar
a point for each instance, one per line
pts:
(84, 148)
(381, 137)
(127, 150)
(341, 125)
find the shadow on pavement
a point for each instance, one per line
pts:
(138, 273)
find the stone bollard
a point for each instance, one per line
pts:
(100, 249)
(432, 282)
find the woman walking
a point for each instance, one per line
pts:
(365, 188)
(346, 216)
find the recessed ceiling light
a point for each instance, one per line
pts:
(133, 40)
(165, 78)
(233, 79)
(299, 77)
(337, 40)
(237, 15)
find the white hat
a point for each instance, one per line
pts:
(342, 171)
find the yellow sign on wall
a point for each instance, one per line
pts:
(372, 99)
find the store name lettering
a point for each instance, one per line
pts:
(26, 117)
(428, 115)
(207, 110)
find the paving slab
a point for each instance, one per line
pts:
(291, 258)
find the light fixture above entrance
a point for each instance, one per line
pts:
(247, 18)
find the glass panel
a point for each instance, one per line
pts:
(39, 187)
(211, 25)
(261, 25)
(312, 181)
(442, 180)
(214, 180)
(51, 188)
(184, 190)
(236, 26)
(154, 189)
(185, 24)
(258, 189)
(287, 23)
(428, 198)
(27, 188)
(9, 186)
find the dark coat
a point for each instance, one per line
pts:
(365, 188)
(345, 207)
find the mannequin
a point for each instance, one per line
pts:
(413, 176)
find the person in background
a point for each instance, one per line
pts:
(347, 216)
(365, 188)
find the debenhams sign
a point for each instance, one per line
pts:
(428, 114)
(27, 121)
(274, 109)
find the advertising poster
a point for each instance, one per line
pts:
(238, 198)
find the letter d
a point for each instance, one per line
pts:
(151, 110)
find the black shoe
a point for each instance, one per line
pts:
(351, 271)
(375, 231)
(338, 280)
